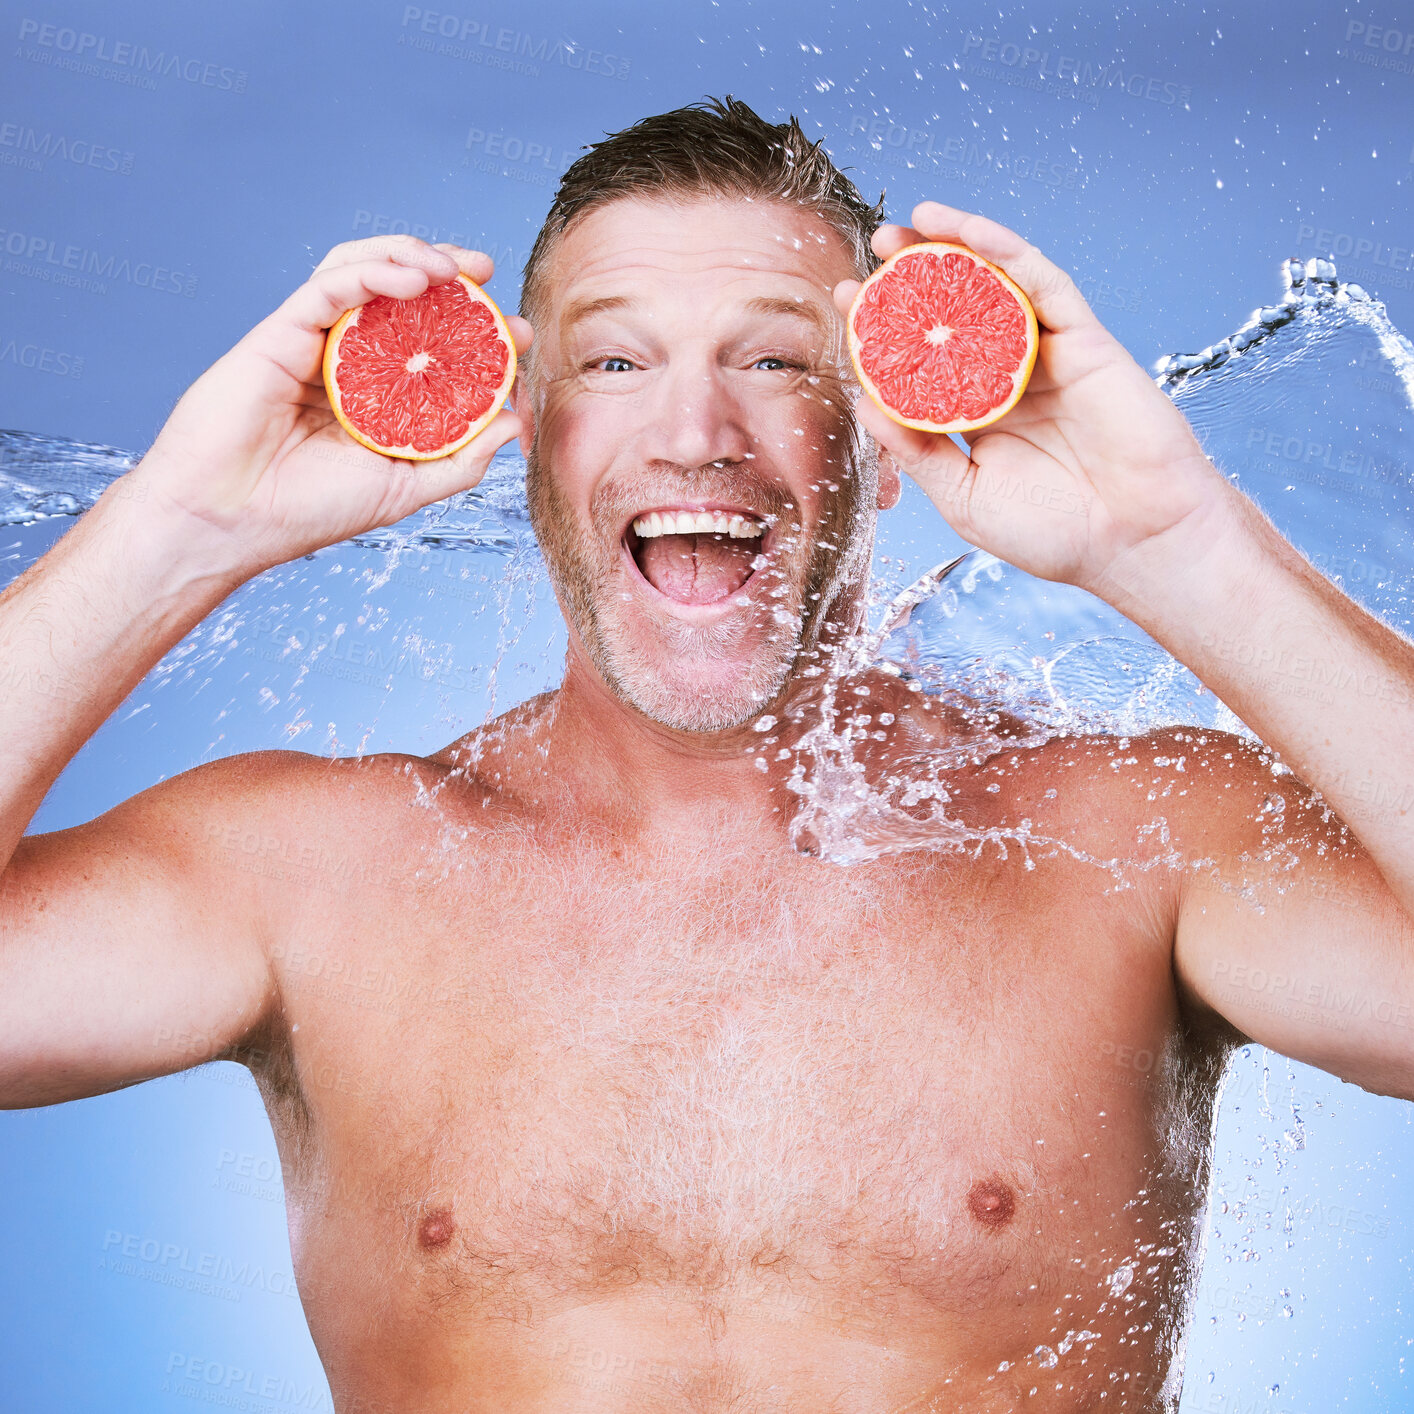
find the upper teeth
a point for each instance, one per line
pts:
(696, 522)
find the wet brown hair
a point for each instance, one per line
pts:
(717, 147)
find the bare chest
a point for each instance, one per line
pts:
(737, 1084)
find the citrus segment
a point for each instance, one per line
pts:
(942, 340)
(419, 378)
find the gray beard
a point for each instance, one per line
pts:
(665, 687)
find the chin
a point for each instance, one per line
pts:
(696, 686)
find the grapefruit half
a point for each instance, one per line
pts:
(942, 340)
(419, 378)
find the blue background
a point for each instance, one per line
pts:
(1203, 145)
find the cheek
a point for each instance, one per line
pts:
(581, 428)
(568, 440)
(813, 449)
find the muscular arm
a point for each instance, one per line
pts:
(113, 933)
(1301, 930)
(1286, 927)
(134, 946)
(129, 946)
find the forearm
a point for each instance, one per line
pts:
(1326, 684)
(83, 625)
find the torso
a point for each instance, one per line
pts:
(575, 1121)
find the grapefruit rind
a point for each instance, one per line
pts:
(409, 453)
(1021, 377)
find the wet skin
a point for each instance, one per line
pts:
(585, 1111)
(692, 1119)
(595, 1086)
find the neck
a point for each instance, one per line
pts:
(607, 753)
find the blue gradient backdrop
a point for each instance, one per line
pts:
(201, 158)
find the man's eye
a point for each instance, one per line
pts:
(780, 362)
(599, 363)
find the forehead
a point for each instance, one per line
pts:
(637, 245)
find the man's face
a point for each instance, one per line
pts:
(690, 366)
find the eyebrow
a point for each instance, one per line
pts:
(581, 309)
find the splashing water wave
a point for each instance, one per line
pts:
(1306, 406)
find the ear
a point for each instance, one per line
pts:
(525, 410)
(890, 484)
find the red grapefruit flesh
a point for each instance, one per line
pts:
(942, 340)
(419, 378)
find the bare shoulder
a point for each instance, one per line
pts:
(1182, 810)
(1209, 797)
(1176, 785)
(294, 816)
(274, 833)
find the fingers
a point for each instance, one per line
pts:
(441, 261)
(464, 469)
(1059, 305)
(474, 264)
(334, 288)
(522, 335)
(909, 447)
(438, 261)
(844, 294)
(939, 467)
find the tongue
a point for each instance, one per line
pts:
(696, 569)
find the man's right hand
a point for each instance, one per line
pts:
(253, 458)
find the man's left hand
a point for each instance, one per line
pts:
(1091, 464)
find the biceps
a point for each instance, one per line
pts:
(119, 961)
(1319, 967)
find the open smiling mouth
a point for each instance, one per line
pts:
(697, 556)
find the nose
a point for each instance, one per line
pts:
(695, 418)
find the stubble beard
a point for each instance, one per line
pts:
(714, 677)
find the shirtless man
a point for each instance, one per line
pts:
(670, 1114)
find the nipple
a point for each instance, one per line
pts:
(436, 1229)
(991, 1202)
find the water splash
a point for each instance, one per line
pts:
(43, 477)
(1306, 406)
(1313, 289)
